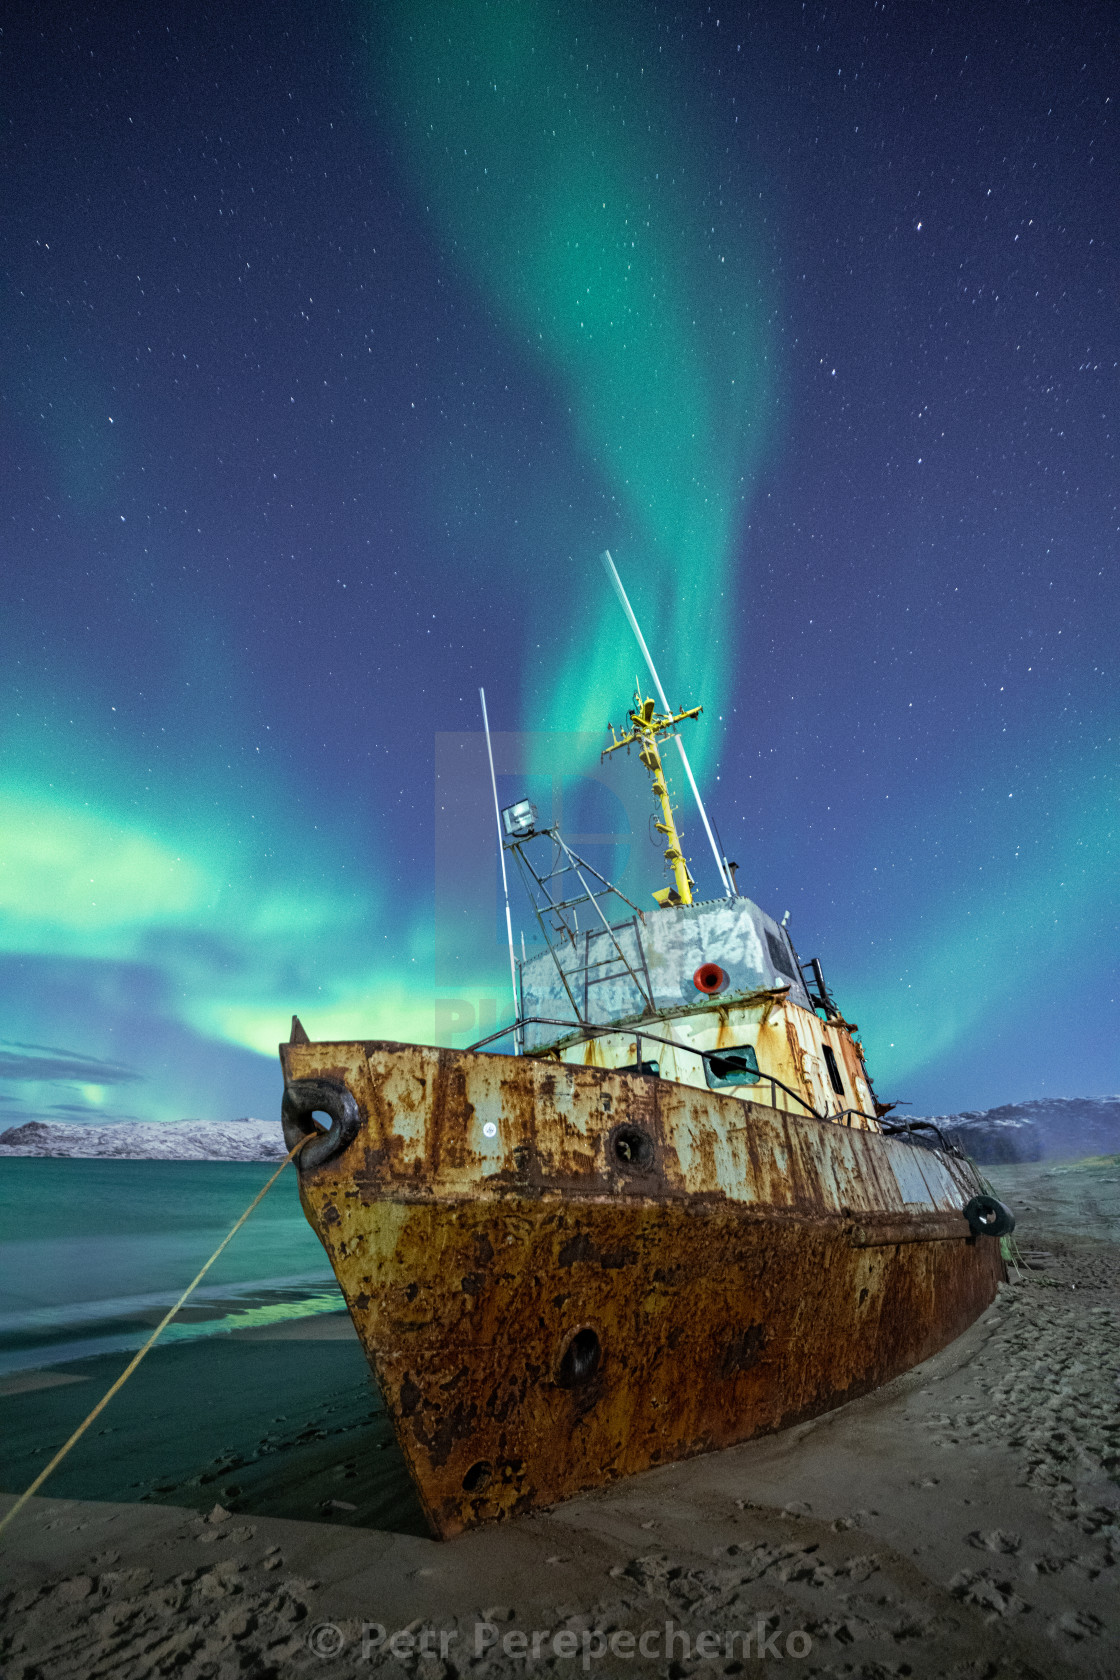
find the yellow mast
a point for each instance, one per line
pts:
(647, 727)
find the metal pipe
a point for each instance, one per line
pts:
(629, 611)
(519, 1042)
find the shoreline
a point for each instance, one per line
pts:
(961, 1521)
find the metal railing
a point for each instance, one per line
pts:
(584, 1030)
(905, 1126)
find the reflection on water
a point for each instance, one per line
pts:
(92, 1254)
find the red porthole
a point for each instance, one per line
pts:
(709, 978)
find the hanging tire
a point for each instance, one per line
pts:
(987, 1217)
(304, 1098)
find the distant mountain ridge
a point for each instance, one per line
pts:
(150, 1140)
(1046, 1129)
(1049, 1128)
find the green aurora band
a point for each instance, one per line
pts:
(204, 888)
(972, 951)
(213, 894)
(591, 223)
(585, 206)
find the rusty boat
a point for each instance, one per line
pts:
(666, 1215)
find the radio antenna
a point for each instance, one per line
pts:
(611, 572)
(505, 883)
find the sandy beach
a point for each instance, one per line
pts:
(964, 1521)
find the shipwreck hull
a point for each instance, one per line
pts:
(564, 1275)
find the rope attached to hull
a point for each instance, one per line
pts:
(151, 1341)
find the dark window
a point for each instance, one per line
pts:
(738, 1066)
(833, 1071)
(780, 958)
(652, 1068)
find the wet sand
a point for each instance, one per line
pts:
(277, 1421)
(962, 1522)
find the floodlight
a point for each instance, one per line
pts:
(518, 820)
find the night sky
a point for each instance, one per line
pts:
(337, 341)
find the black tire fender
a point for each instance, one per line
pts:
(989, 1218)
(305, 1097)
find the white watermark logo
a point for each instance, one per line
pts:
(325, 1640)
(667, 1643)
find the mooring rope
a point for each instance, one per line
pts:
(151, 1341)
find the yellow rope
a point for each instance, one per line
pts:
(158, 1331)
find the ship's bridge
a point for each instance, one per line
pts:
(649, 966)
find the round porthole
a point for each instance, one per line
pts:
(477, 1478)
(580, 1359)
(631, 1148)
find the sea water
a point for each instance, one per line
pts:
(92, 1253)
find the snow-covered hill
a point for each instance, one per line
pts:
(1050, 1128)
(135, 1140)
(1047, 1129)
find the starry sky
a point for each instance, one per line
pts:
(338, 340)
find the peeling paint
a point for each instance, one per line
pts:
(631, 1271)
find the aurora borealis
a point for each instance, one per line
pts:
(335, 346)
(601, 228)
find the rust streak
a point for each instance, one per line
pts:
(630, 1272)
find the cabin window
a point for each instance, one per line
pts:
(652, 1068)
(780, 958)
(834, 1078)
(735, 1066)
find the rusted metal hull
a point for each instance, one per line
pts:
(562, 1275)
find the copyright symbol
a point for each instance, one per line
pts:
(325, 1640)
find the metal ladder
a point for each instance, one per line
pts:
(614, 966)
